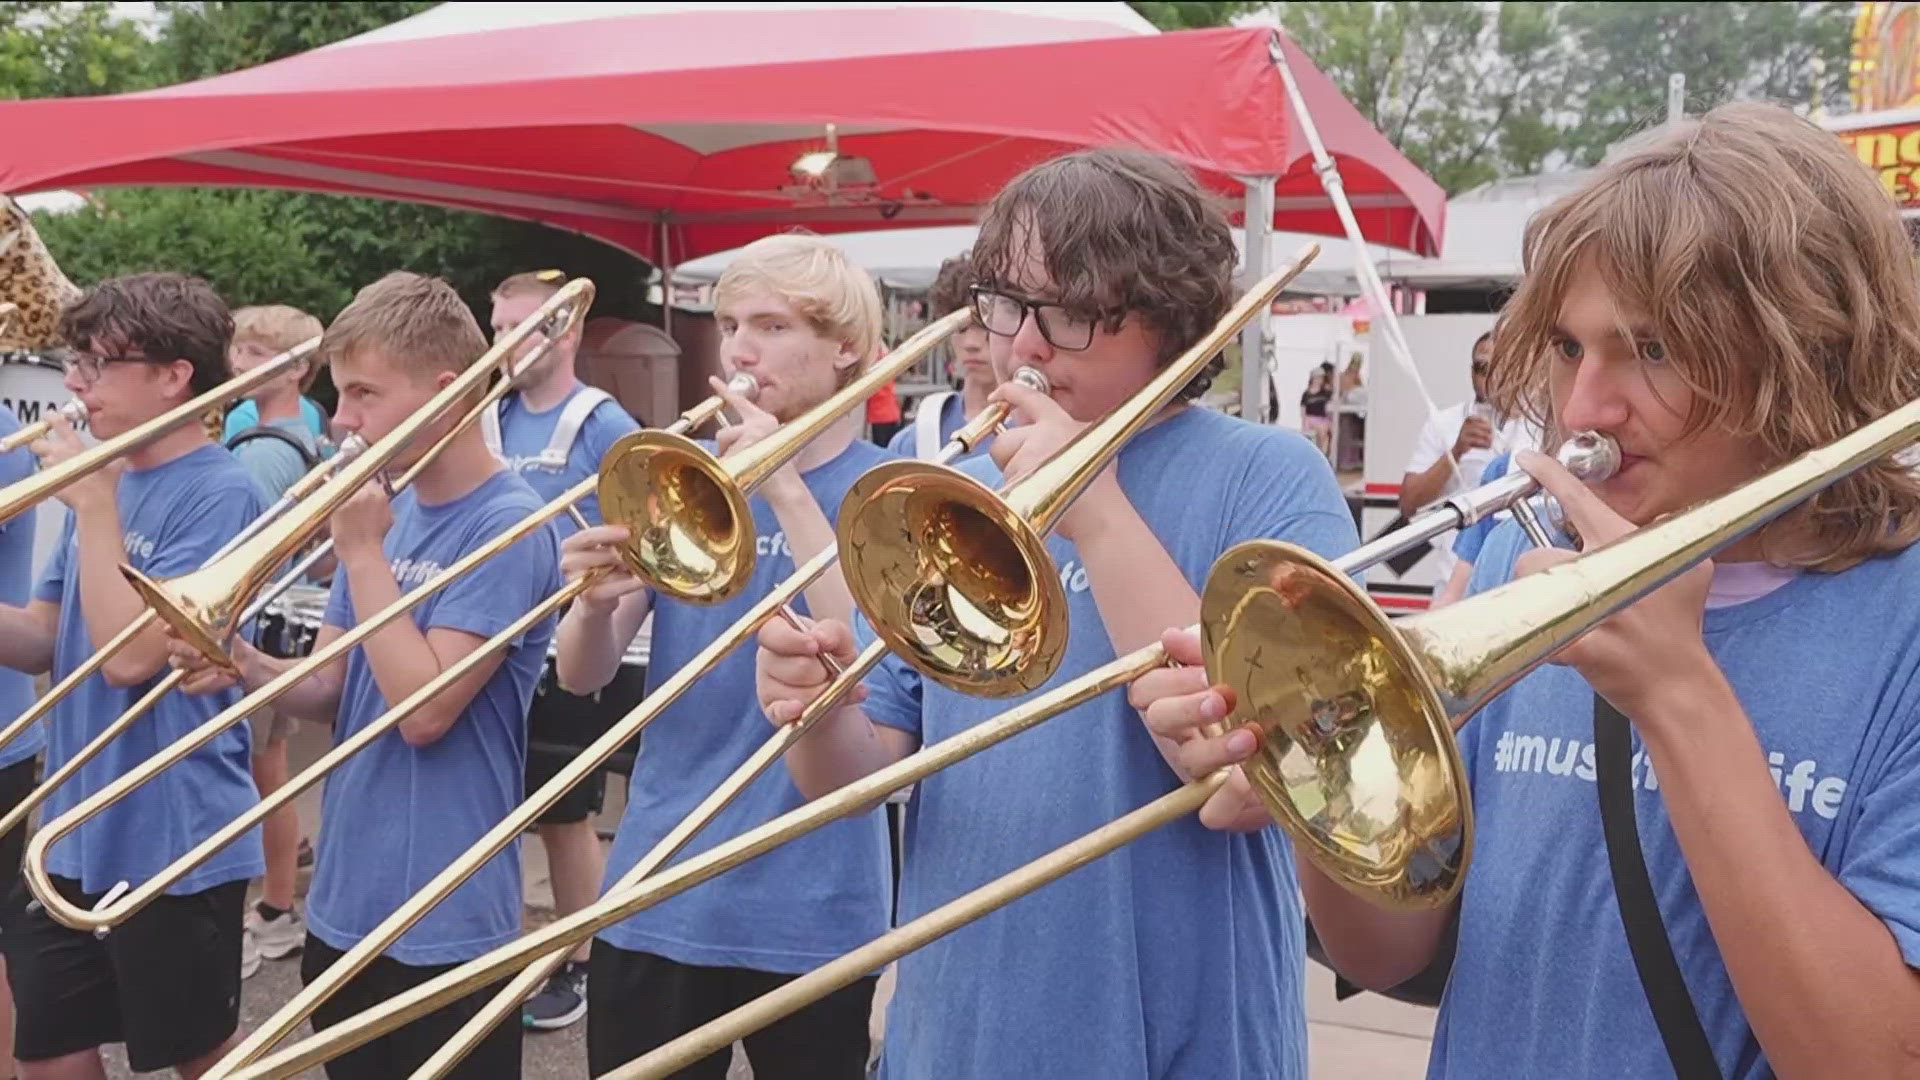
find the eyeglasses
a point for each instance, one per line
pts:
(88, 366)
(1004, 314)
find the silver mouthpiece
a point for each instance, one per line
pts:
(1032, 379)
(745, 385)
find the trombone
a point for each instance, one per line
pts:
(21, 494)
(207, 605)
(697, 518)
(476, 1029)
(74, 411)
(988, 555)
(1410, 685)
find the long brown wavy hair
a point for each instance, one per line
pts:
(1783, 287)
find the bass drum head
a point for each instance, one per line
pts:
(31, 387)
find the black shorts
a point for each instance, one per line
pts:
(398, 1053)
(637, 1001)
(16, 783)
(561, 725)
(166, 982)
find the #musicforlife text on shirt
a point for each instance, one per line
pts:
(1802, 788)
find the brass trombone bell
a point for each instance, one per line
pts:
(203, 607)
(692, 530)
(956, 578)
(1357, 712)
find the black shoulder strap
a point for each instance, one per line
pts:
(1666, 991)
(267, 431)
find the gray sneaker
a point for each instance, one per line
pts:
(561, 1003)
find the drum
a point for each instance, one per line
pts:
(33, 386)
(290, 624)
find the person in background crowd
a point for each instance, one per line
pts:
(278, 450)
(938, 415)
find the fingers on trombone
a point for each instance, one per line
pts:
(741, 405)
(1183, 645)
(1594, 519)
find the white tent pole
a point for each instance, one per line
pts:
(1370, 283)
(1253, 339)
(666, 280)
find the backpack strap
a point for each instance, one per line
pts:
(1673, 1012)
(309, 457)
(490, 428)
(926, 424)
(572, 417)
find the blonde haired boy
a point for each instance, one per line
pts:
(801, 319)
(396, 813)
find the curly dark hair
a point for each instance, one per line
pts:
(164, 316)
(1124, 232)
(952, 286)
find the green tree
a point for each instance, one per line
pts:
(70, 50)
(1794, 54)
(1192, 16)
(262, 245)
(1475, 91)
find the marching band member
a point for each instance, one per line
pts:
(398, 812)
(802, 320)
(18, 759)
(938, 415)
(555, 430)
(277, 451)
(167, 983)
(1181, 956)
(1733, 292)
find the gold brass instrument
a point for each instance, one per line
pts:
(122, 903)
(206, 605)
(74, 412)
(621, 903)
(634, 468)
(350, 447)
(693, 537)
(1029, 507)
(18, 496)
(956, 578)
(510, 997)
(1358, 761)
(202, 607)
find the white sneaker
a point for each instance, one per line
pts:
(249, 953)
(278, 938)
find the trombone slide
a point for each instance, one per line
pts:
(18, 496)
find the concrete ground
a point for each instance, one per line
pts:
(1364, 1037)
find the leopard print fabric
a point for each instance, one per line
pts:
(32, 280)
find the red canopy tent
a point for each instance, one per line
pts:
(677, 134)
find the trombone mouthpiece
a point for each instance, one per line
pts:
(1032, 379)
(350, 447)
(745, 385)
(1590, 456)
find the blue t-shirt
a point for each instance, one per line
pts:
(1180, 955)
(1543, 983)
(247, 414)
(392, 815)
(174, 517)
(953, 416)
(16, 590)
(524, 436)
(1470, 540)
(800, 905)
